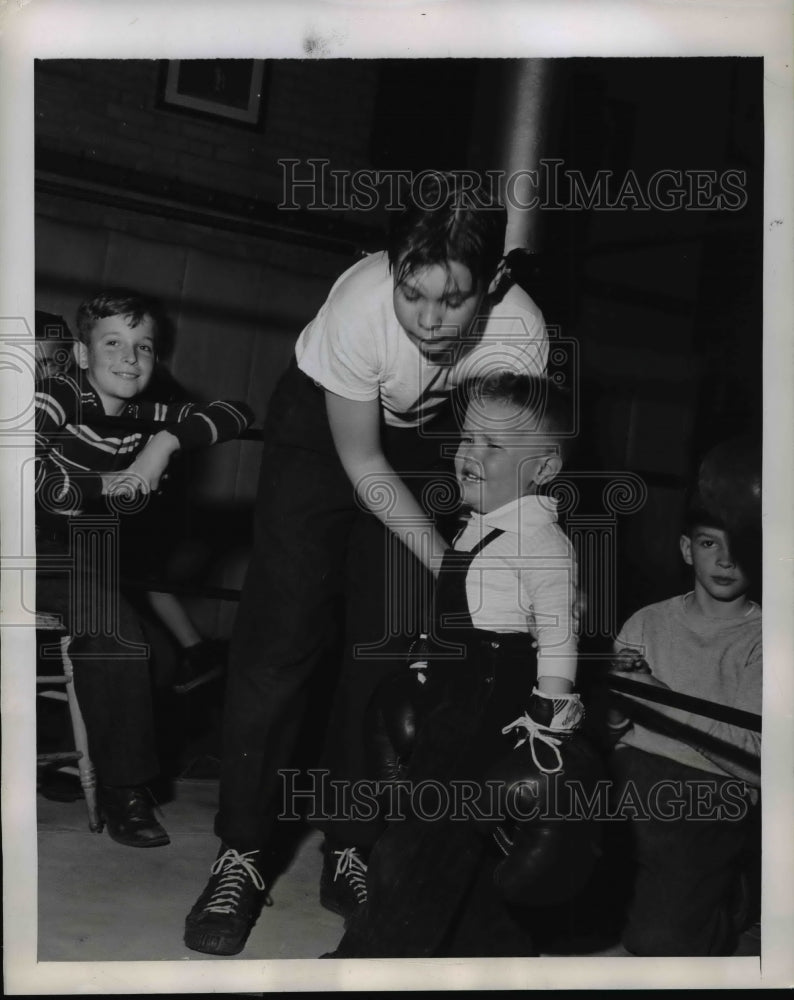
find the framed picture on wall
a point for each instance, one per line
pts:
(230, 90)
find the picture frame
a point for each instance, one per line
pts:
(227, 90)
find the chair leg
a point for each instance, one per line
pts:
(84, 766)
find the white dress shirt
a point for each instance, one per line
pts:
(525, 580)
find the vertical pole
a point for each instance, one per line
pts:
(525, 94)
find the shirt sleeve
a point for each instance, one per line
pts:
(550, 588)
(514, 338)
(630, 636)
(339, 352)
(748, 698)
(60, 485)
(195, 425)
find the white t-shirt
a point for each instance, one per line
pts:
(525, 579)
(356, 348)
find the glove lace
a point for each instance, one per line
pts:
(535, 733)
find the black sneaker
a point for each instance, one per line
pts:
(343, 884)
(200, 664)
(221, 920)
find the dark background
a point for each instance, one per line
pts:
(664, 308)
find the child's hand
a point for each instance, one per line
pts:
(617, 720)
(629, 661)
(152, 461)
(121, 484)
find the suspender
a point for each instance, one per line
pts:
(490, 537)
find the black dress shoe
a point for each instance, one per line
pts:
(129, 816)
(59, 786)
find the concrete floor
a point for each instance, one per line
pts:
(110, 920)
(100, 901)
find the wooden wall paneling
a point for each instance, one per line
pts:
(290, 297)
(218, 325)
(217, 319)
(70, 263)
(148, 266)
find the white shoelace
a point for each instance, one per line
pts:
(351, 865)
(235, 868)
(534, 732)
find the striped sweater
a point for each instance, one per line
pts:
(74, 447)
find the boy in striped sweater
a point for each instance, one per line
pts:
(89, 477)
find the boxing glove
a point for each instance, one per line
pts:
(547, 841)
(548, 723)
(396, 710)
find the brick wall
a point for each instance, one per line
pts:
(237, 299)
(107, 110)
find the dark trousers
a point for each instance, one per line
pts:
(323, 572)
(685, 869)
(111, 668)
(430, 880)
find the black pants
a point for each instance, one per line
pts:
(111, 667)
(686, 856)
(321, 566)
(430, 877)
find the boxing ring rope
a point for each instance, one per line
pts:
(152, 426)
(686, 702)
(616, 683)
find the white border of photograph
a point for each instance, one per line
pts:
(377, 29)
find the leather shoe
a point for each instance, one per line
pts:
(129, 815)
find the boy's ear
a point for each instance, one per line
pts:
(686, 549)
(548, 469)
(80, 352)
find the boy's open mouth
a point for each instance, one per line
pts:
(438, 348)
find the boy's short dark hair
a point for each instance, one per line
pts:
(116, 302)
(534, 394)
(447, 218)
(54, 343)
(51, 326)
(697, 515)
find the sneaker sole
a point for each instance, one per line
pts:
(210, 944)
(329, 902)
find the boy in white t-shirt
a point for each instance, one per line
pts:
(352, 441)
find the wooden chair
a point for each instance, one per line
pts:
(79, 756)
